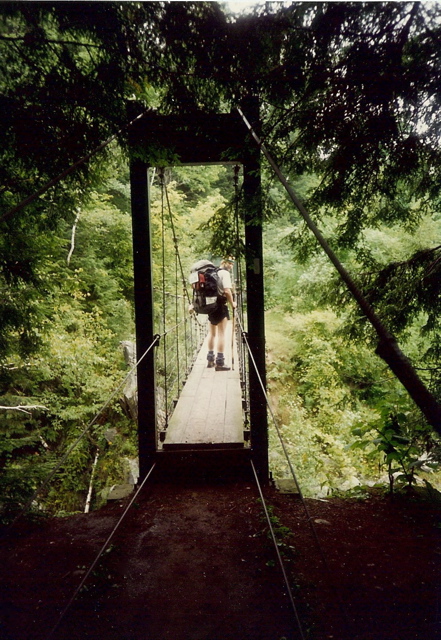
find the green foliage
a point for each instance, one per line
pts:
(402, 444)
(364, 160)
(63, 85)
(373, 143)
(63, 90)
(85, 310)
(222, 231)
(331, 385)
(282, 534)
(322, 389)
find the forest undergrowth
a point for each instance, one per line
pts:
(332, 437)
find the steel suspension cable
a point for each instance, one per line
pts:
(100, 553)
(60, 463)
(279, 557)
(285, 451)
(178, 258)
(179, 268)
(168, 384)
(175, 241)
(294, 476)
(164, 300)
(184, 315)
(239, 294)
(120, 520)
(171, 329)
(177, 313)
(179, 262)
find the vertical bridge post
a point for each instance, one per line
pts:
(142, 266)
(255, 298)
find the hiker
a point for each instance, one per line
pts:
(219, 316)
(218, 319)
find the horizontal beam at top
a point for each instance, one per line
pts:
(197, 138)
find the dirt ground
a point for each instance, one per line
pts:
(193, 561)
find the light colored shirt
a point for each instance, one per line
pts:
(225, 277)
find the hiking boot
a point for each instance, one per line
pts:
(220, 366)
(210, 360)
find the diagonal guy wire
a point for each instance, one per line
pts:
(103, 548)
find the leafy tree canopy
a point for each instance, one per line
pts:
(348, 91)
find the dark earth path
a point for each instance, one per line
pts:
(192, 561)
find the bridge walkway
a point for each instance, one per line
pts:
(209, 413)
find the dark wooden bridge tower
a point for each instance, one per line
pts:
(199, 140)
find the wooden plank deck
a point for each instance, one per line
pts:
(209, 411)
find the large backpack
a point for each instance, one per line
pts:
(208, 291)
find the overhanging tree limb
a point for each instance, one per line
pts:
(387, 348)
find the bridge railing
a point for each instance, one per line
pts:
(181, 339)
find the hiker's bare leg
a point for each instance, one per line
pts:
(221, 328)
(211, 336)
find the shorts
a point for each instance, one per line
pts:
(219, 314)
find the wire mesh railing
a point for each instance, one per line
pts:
(243, 365)
(182, 337)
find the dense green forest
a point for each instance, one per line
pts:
(347, 419)
(349, 102)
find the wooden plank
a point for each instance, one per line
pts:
(233, 421)
(178, 423)
(214, 428)
(199, 416)
(191, 386)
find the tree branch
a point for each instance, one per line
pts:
(24, 408)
